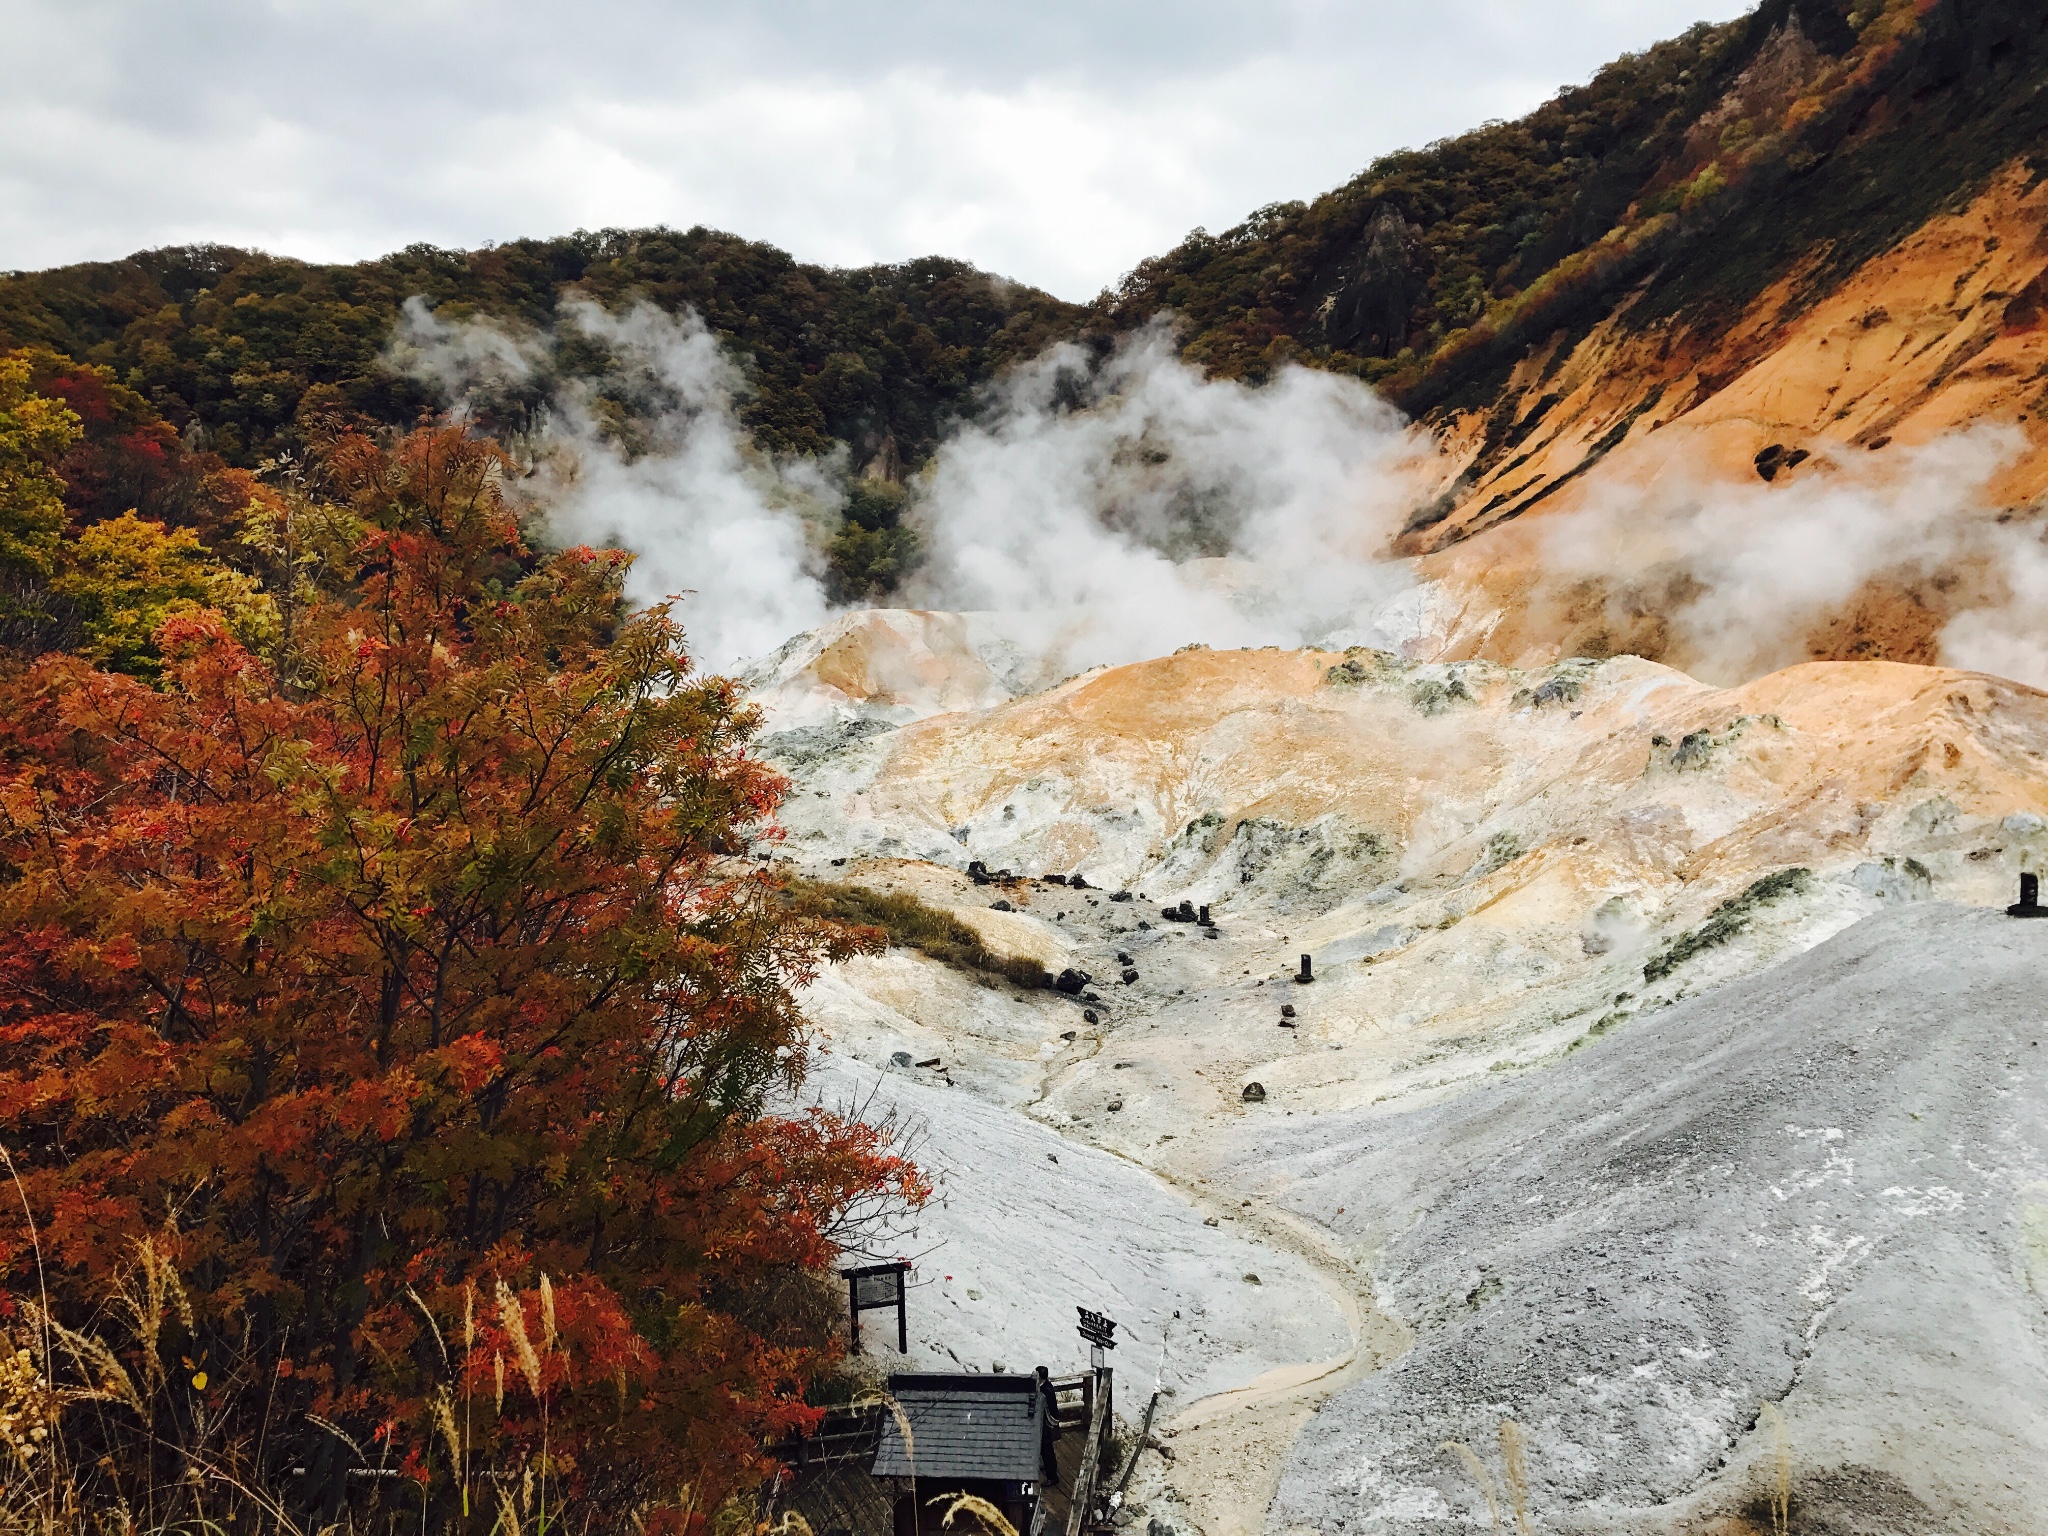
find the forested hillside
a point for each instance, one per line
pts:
(1710, 164)
(1687, 179)
(245, 344)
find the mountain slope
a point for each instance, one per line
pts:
(244, 344)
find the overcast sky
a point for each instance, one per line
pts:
(1056, 141)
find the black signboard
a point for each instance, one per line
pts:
(879, 1285)
(1097, 1329)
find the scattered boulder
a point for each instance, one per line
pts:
(977, 872)
(1893, 879)
(1115, 1105)
(1254, 1093)
(1776, 458)
(1121, 896)
(899, 1058)
(1001, 906)
(1130, 975)
(1071, 981)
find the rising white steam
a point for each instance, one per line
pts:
(1108, 510)
(1744, 572)
(1132, 506)
(711, 519)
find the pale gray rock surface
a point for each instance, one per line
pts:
(1822, 1187)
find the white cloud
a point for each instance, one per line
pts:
(1055, 142)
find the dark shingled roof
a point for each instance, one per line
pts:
(964, 1426)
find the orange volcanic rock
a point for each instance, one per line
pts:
(1943, 333)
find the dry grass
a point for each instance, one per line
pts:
(1480, 1475)
(1514, 1473)
(108, 1436)
(1781, 1482)
(992, 1519)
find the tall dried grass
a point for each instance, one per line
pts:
(1514, 1473)
(1781, 1457)
(108, 1435)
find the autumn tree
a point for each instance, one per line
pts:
(123, 578)
(413, 999)
(34, 430)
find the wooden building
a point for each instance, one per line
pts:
(991, 1437)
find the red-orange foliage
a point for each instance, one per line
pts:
(416, 962)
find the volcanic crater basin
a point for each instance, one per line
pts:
(1609, 979)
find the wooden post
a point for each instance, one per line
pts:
(1096, 1387)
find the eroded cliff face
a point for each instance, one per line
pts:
(1603, 439)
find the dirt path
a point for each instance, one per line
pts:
(1229, 1450)
(1225, 1453)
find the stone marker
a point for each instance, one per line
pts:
(2029, 904)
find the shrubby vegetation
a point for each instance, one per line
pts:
(397, 1061)
(916, 925)
(1727, 921)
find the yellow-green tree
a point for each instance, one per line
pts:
(34, 431)
(125, 576)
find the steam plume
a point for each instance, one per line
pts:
(1133, 506)
(1110, 510)
(672, 477)
(1744, 572)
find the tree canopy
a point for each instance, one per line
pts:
(391, 1008)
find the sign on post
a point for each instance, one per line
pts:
(874, 1286)
(1099, 1331)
